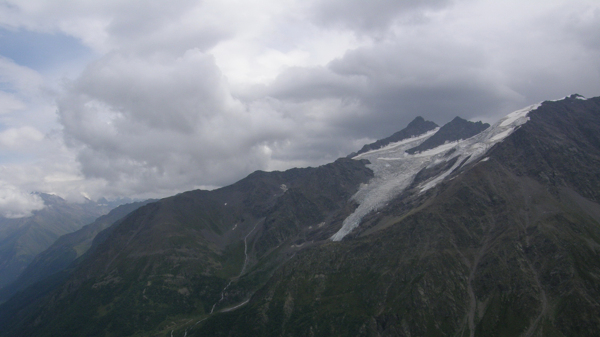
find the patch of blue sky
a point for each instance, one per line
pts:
(41, 51)
(7, 87)
(14, 157)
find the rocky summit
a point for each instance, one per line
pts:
(467, 229)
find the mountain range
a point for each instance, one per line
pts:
(21, 239)
(467, 229)
(66, 249)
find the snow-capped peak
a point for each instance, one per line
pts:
(395, 169)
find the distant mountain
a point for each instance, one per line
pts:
(66, 249)
(22, 239)
(495, 233)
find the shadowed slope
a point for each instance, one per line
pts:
(417, 127)
(175, 257)
(506, 245)
(507, 248)
(65, 250)
(22, 239)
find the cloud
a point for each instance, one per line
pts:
(371, 16)
(17, 78)
(468, 60)
(585, 26)
(37, 162)
(381, 88)
(146, 121)
(159, 126)
(163, 124)
(19, 138)
(200, 93)
(16, 204)
(144, 26)
(9, 103)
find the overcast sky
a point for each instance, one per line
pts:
(144, 98)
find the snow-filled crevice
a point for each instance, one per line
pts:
(394, 169)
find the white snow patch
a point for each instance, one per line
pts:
(567, 97)
(514, 116)
(436, 180)
(502, 135)
(394, 169)
(436, 150)
(391, 146)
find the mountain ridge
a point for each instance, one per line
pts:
(179, 232)
(22, 239)
(454, 130)
(416, 127)
(491, 261)
(65, 250)
(497, 236)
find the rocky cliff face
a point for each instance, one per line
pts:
(495, 234)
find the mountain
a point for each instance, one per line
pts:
(456, 129)
(65, 250)
(175, 256)
(23, 238)
(418, 126)
(495, 234)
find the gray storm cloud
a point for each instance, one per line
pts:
(200, 94)
(147, 121)
(158, 124)
(368, 17)
(167, 125)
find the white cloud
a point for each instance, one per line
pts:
(16, 204)
(19, 78)
(19, 138)
(103, 26)
(164, 124)
(200, 93)
(9, 103)
(25, 100)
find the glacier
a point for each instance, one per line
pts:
(395, 170)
